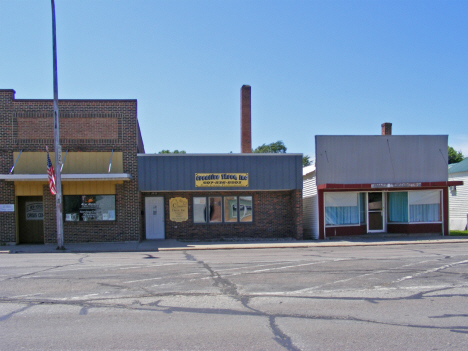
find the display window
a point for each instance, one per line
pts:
(222, 209)
(342, 208)
(89, 208)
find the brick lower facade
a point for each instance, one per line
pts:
(276, 214)
(86, 126)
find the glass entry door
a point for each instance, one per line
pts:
(376, 212)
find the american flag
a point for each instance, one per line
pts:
(51, 175)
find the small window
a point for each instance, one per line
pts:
(199, 209)
(245, 208)
(216, 211)
(362, 208)
(230, 208)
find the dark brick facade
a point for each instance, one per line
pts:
(87, 126)
(7, 189)
(276, 214)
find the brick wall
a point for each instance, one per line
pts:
(85, 125)
(246, 125)
(7, 189)
(296, 205)
(42, 127)
(276, 214)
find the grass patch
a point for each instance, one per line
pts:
(459, 232)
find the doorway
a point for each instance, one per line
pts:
(30, 220)
(154, 215)
(376, 212)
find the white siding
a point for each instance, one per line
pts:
(458, 202)
(310, 206)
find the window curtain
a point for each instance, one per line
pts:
(424, 206)
(341, 215)
(425, 213)
(341, 208)
(398, 207)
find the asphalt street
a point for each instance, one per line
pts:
(398, 297)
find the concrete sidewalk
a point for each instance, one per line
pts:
(174, 245)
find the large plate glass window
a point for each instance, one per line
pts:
(341, 208)
(89, 208)
(397, 207)
(424, 206)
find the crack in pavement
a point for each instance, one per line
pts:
(11, 314)
(230, 289)
(80, 261)
(282, 338)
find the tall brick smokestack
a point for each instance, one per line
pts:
(246, 127)
(386, 128)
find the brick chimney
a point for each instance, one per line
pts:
(246, 128)
(386, 128)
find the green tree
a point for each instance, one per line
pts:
(273, 148)
(278, 148)
(172, 152)
(454, 156)
(305, 160)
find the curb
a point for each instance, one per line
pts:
(298, 245)
(238, 246)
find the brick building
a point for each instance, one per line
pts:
(100, 140)
(112, 191)
(216, 196)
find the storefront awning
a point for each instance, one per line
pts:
(66, 177)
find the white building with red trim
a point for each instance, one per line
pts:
(377, 184)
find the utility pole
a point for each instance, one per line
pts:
(57, 147)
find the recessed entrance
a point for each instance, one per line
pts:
(30, 220)
(376, 212)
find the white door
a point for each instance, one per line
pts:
(154, 214)
(376, 212)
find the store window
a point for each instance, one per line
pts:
(341, 208)
(89, 208)
(424, 206)
(222, 209)
(397, 207)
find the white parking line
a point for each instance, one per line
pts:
(430, 271)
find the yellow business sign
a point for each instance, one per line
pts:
(178, 209)
(207, 180)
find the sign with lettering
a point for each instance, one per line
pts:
(207, 180)
(178, 209)
(396, 185)
(7, 208)
(34, 211)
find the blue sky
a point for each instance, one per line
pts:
(315, 67)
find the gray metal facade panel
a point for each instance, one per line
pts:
(177, 172)
(381, 159)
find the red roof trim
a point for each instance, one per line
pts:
(369, 186)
